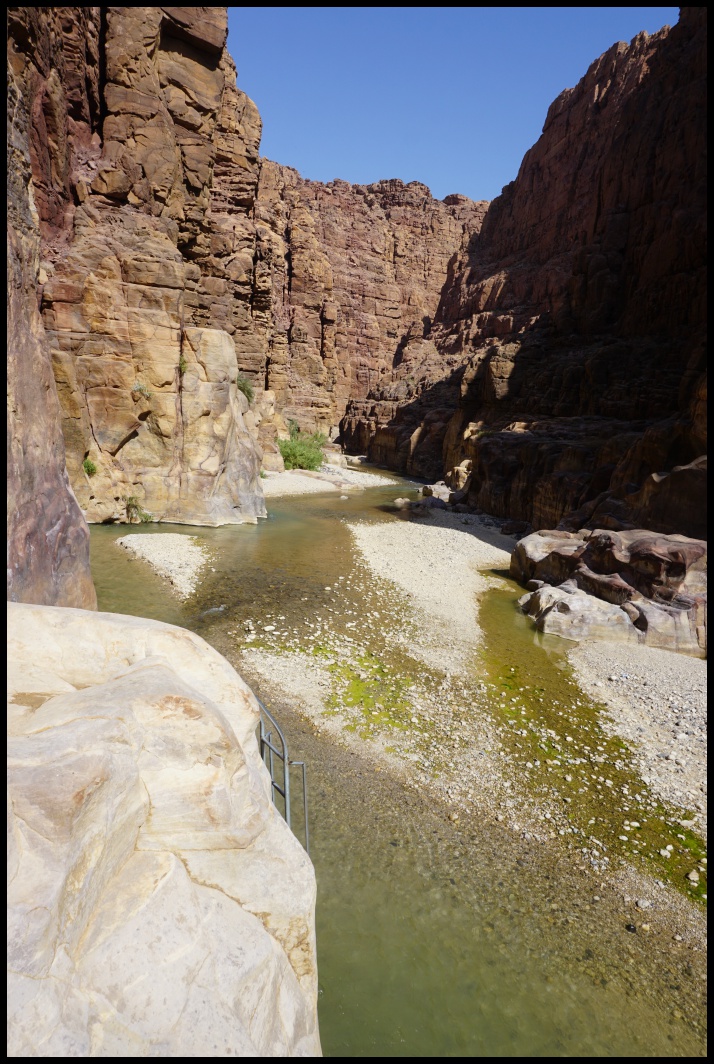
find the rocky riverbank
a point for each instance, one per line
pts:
(438, 564)
(327, 478)
(403, 679)
(178, 557)
(657, 700)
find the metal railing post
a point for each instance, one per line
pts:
(268, 752)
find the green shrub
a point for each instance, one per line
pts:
(263, 475)
(142, 390)
(89, 467)
(183, 365)
(245, 386)
(302, 452)
(134, 510)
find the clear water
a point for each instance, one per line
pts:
(433, 939)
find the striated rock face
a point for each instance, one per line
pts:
(158, 904)
(570, 334)
(47, 537)
(631, 585)
(355, 274)
(546, 354)
(137, 110)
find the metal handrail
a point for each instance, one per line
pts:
(268, 751)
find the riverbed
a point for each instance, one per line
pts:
(459, 913)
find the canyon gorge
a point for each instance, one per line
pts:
(176, 303)
(545, 351)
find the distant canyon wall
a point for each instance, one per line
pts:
(356, 273)
(571, 331)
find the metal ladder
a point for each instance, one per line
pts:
(269, 754)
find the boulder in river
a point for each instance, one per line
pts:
(634, 585)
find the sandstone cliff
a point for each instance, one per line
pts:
(355, 274)
(158, 904)
(570, 381)
(546, 353)
(143, 292)
(175, 259)
(47, 537)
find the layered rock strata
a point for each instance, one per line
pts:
(47, 537)
(144, 292)
(632, 586)
(158, 904)
(567, 376)
(355, 273)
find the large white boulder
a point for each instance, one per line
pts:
(158, 904)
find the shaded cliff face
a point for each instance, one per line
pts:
(47, 537)
(571, 329)
(355, 273)
(138, 111)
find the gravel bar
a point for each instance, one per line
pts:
(436, 562)
(657, 700)
(171, 554)
(328, 478)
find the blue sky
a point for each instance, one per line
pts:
(450, 96)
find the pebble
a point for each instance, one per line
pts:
(172, 554)
(659, 702)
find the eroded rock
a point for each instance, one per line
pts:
(158, 904)
(636, 585)
(567, 359)
(47, 537)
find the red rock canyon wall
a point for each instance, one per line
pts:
(571, 329)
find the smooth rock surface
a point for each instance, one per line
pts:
(158, 904)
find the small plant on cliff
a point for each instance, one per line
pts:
(134, 510)
(141, 389)
(302, 452)
(183, 365)
(263, 475)
(89, 467)
(245, 386)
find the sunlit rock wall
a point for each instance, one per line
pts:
(137, 110)
(354, 274)
(158, 905)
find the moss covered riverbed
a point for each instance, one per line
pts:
(429, 825)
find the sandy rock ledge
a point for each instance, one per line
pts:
(158, 904)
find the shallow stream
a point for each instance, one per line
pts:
(434, 938)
